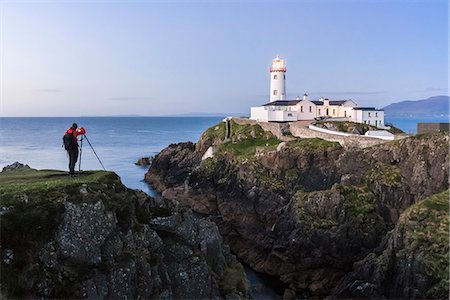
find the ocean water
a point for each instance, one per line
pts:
(118, 141)
(409, 124)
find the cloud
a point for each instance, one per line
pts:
(48, 90)
(129, 98)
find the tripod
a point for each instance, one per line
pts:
(81, 151)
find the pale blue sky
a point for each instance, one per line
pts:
(74, 58)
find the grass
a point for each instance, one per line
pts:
(245, 139)
(216, 132)
(387, 175)
(348, 126)
(233, 279)
(38, 185)
(304, 210)
(314, 144)
(426, 226)
(359, 202)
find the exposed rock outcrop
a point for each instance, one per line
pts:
(15, 166)
(307, 210)
(413, 260)
(91, 237)
(144, 161)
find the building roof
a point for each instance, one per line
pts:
(367, 108)
(316, 102)
(338, 102)
(282, 103)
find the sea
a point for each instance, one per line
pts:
(119, 142)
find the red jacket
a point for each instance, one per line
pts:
(76, 133)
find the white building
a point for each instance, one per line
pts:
(281, 110)
(277, 80)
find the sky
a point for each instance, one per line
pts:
(84, 58)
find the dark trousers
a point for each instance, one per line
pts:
(73, 157)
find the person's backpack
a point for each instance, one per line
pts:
(69, 141)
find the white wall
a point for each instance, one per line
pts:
(259, 113)
(270, 114)
(282, 116)
(306, 114)
(371, 117)
(278, 84)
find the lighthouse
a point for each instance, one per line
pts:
(278, 79)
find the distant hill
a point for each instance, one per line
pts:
(433, 106)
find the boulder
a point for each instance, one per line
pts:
(15, 166)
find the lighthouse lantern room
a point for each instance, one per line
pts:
(278, 80)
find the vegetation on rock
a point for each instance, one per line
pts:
(305, 210)
(91, 237)
(353, 127)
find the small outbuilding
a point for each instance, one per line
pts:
(380, 134)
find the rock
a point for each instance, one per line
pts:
(280, 146)
(8, 256)
(307, 212)
(83, 230)
(144, 161)
(406, 264)
(110, 243)
(209, 153)
(15, 166)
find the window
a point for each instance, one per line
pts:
(289, 115)
(275, 92)
(284, 77)
(345, 114)
(369, 114)
(275, 76)
(310, 109)
(365, 122)
(301, 108)
(334, 111)
(319, 111)
(376, 114)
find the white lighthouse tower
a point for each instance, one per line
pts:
(278, 80)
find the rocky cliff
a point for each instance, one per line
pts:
(305, 210)
(91, 237)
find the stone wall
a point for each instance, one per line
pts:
(300, 129)
(432, 127)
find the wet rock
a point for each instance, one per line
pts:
(144, 161)
(8, 256)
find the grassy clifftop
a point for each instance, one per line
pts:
(33, 184)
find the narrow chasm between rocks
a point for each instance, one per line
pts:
(263, 286)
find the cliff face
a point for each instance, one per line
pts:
(413, 259)
(304, 210)
(91, 237)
